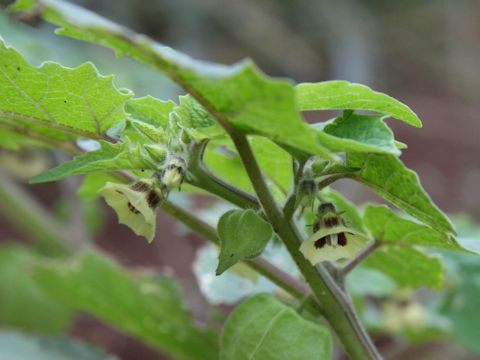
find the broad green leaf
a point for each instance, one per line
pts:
(147, 306)
(54, 101)
(385, 225)
(226, 164)
(23, 304)
(408, 266)
(263, 328)
(390, 178)
(120, 156)
(363, 281)
(18, 346)
(275, 162)
(150, 110)
(243, 234)
(358, 133)
(337, 94)
(239, 95)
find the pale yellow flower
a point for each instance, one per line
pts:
(135, 205)
(333, 243)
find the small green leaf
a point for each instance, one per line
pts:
(147, 306)
(18, 346)
(53, 100)
(193, 118)
(386, 225)
(339, 95)
(150, 110)
(23, 304)
(391, 179)
(408, 266)
(120, 156)
(243, 234)
(358, 133)
(263, 328)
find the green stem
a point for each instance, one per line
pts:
(289, 207)
(203, 178)
(333, 303)
(30, 218)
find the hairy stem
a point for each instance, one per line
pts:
(333, 303)
(203, 178)
(289, 207)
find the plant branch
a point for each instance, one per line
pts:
(30, 218)
(203, 178)
(329, 180)
(334, 304)
(348, 266)
(289, 207)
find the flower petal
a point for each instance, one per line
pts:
(132, 208)
(355, 242)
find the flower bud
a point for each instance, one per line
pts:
(174, 172)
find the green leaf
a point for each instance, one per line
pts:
(150, 110)
(119, 156)
(339, 95)
(362, 282)
(146, 305)
(386, 225)
(93, 182)
(409, 267)
(23, 304)
(52, 100)
(198, 122)
(263, 328)
(225, 163)
(358, 133)
(239, 95)
(243, 234)
(16, 345)
(461, 301)
(391, 179)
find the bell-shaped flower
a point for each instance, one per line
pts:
(333, 243)
(135, 205)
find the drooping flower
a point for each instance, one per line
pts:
(332, 239)
(135, 205)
